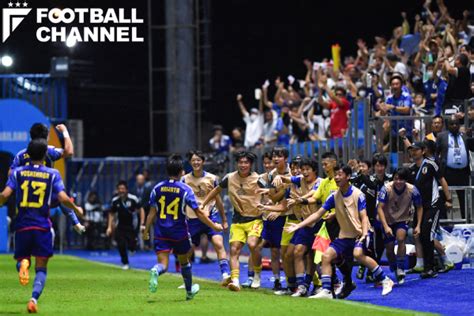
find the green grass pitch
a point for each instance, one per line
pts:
(80, 287)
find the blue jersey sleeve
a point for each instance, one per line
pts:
(279, 125)
(70, 213)
(152, 201)
(330, 203)
(12, 181)
(190, 199)
(416, 197)
(55, 153)
(316, 185)
(296, 180)
(383, 195)
(361, 204)
(16, 162)
(407, 101)
(58, 184)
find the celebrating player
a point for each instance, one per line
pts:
(395, 200)
(202, 182)
(303, 239)
(35, 184)
(171, 227)
(349, 203)
(40, 131)
(246, 225)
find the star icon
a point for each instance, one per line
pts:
(17, 4)
(10, 4)
(25, 4)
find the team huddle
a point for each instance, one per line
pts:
(313, 225)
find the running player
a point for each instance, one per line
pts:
(35, 185)
(40, 131)
(268, 166)
(124, 207)
(273, 222)
(395, 200)
(303, 239)
(349, 203)
(326, 187)
(286, 248)
(371, 185)
(202, 182)
(169, 198)
(247, 224)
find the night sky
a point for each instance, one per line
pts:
(251, 41)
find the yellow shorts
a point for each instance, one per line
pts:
(241, 231)
(286, 237)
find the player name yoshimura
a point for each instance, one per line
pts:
(34, 174)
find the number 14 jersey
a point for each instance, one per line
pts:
(170, 198)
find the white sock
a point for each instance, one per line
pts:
(419, 262)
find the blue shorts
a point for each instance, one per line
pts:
(272, 231)
(395, 227)
(344, 248)
(179, 247)
(37, 243)
(306, 235)
(197, 228)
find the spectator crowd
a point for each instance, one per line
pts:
(425, 69)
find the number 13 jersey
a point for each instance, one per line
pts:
(34, 186)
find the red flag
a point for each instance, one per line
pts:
(321, 243)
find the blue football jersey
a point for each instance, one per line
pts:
(170, 198)
(23, 159)
(34, 185)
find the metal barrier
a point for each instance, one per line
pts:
(386, 131)
(102, 174)
(387, 139)
(48, 94)
(468, 205)
(357, 143)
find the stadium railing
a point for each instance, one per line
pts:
(102, 174)
(384, 132)
(48, 94)
(468, 202)
(353, 145)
